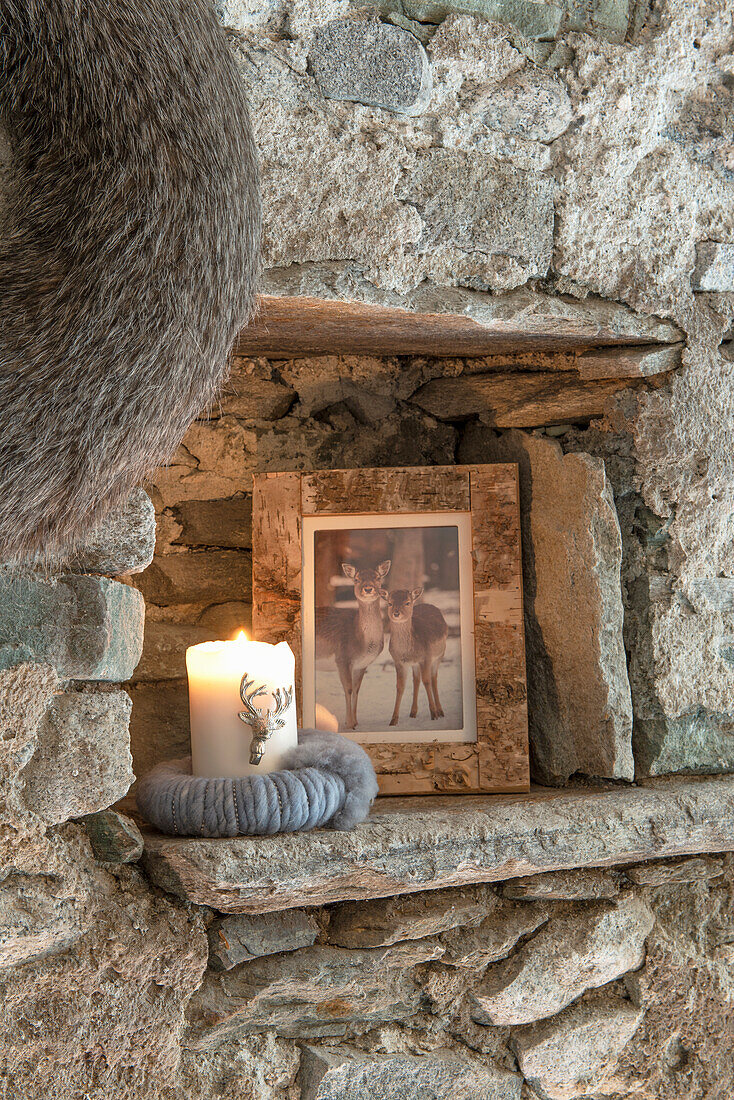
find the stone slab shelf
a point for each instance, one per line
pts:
(412, 844)
(457, 323)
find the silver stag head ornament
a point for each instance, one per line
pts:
(265, 721)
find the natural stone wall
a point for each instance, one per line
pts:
(553, 169)
(95, 965)
(512, 163)
(567, 989)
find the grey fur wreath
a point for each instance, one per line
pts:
(328, 781)
(129, 241)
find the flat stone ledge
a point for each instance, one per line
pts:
(412, 844)
(303, 312)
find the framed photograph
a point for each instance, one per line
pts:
(400, 592)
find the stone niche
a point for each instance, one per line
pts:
(517, 377)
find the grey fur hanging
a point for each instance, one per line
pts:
(127, 250)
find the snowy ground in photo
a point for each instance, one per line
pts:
(377, 698)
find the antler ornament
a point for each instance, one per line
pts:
(263, 721)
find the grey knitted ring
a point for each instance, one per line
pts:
(328, 780)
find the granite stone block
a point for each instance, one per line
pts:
(573, 1053)
(233, 940)
(114, 837)
(122, 543)
(88, 628)
(37, 919)
(571, 954)
(714, 266)
(82, 761)
(344, 1073)
(371, 62)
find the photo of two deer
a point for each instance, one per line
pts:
(387, 603)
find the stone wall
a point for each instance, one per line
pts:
(585, 983)
(588, 983)
(94, 964)
(537, 166)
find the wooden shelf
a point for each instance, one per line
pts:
(411, 844)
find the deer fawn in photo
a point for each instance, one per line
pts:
(418, 634)
(354, 638)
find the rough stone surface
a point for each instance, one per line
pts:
(564, 886)
(533, 20)
(254, 393)
(524, 319)
(712, 594)
(104, 1018)
(649, 147)
(714, 266)
(574, 1053)
(159, 725)
(122, 543)
(89, 628)
(371, 62)
(413, 844)
(475, 948)
(471, 55)
(378, 924)
(579, 700)
(101, 966)
(114, 837)
(26, 692)
(699, 743)
(359, 208)
(471, 205)
(700, 124)
(37, 919)
(628, 362)
(532, 104)
(221, 456)
(204, 577)
(82, 760)
(611, 20)
(227, 619)
(527, 400)
(663, 872)
(346, 1073)
(568, 956)
(683, 1045)
(233, 940)
(218, 523)
(307, 993)
(164, 649)
(253, 1066)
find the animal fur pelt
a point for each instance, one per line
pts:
(127, 249)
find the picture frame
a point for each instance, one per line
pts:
(324, 575)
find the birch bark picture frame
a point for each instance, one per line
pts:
(337, 554)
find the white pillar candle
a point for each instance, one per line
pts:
(220, 739)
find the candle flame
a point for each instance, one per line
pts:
(241, 637)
